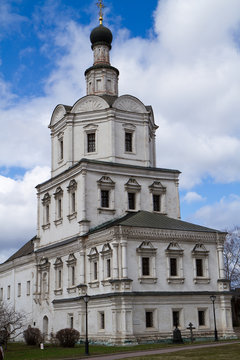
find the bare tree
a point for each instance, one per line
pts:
(11, 323)
(232, 257)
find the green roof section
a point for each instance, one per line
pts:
(151, 220)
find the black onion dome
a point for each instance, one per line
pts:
(101, 35)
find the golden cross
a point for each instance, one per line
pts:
(101, 6)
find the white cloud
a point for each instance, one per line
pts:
(18, 209)
(192, 196)
(221, 215)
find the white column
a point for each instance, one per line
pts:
(115, 260)
(221, 261)
(82, 267)
(124, 259)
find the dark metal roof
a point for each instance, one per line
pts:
(145, 219)
(26, 249)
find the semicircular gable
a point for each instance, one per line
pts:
(58, 114)
(129, 103)
(89, 103)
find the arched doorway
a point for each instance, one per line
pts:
(45, 328)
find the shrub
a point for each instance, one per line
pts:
(67, 337)
(32, 336)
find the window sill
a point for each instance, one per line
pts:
(72, 216)
(58, 221)
(72, 289)
(175, 280)
(94, 284)
(147, 280)
(106, 210)
(58, 292)
(130, 152)
(60, 161)
(201, 280)
(106, 282)
(151, 329)
(46, 226)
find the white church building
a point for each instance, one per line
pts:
(108, 224)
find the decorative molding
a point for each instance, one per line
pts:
(89, 103)
(157, 188)
(132, 185)
(106, 182)
(174, 249)
(71, 260)
(58, 263)
(72, 186)
(146, 247)
(58, 193)
(129, 103)
(46, 199)
(199, 250)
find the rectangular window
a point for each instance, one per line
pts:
(201, 318)
(149, 319)
(73, 202)
(28, 287)
(8, 292)
(199, 267)
(1, 294)
(60, 149)
(91, 142)
(175, 315)
(19, 289)
(156, 202)
(95, 268)
(105, 198)
(128, 141)
(47, 214)
(102, 320)
(131, 201)
(59, 210)
(71, 322)
(173, 267)
(59, 279)
(108, 268)
(73, 275)
(145, 266)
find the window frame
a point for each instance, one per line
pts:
(200, 252)
(106, 184)
(174, 251)
(146, 250)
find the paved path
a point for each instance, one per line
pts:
(156, 351)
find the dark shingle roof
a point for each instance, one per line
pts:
(26, 249)
(145, 219)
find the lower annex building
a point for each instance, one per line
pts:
(109, 226)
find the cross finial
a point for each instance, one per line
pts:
(101, 7)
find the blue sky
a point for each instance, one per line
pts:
(180, 56)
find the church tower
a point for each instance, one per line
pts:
(103, 156)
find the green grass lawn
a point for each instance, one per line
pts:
(20, 351)
(227, 352)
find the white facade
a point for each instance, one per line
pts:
(109, 225)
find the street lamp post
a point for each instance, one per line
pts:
(213, 298)
(86, 299)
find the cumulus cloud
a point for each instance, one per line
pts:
(18, 209)
(223, 214)
(192, 196)
(190, 74)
